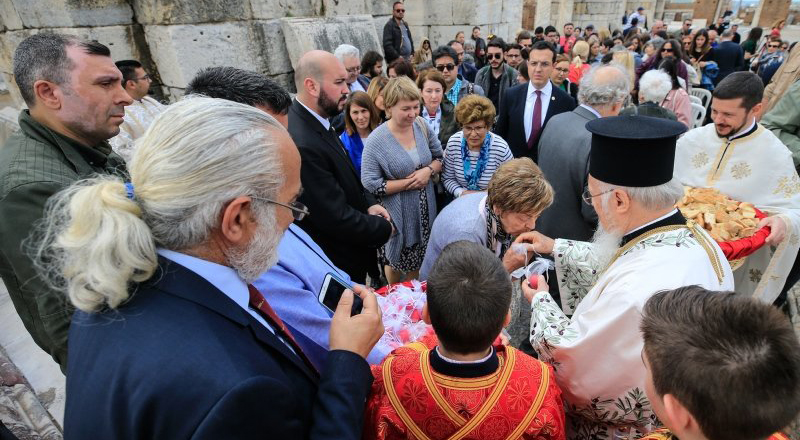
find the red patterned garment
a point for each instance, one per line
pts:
(410, 400)
(664, 434)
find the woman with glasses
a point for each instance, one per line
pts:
(560, 76)
(400, 160)
(515, 197)
(669, 48)
(473, 154)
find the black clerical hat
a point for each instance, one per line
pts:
(634, 151)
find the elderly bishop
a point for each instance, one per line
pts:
(643, 245)
(743, 160)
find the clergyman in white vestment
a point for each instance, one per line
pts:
(643, 246)
(746, 162)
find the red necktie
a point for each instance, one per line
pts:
(536, 122)
(258, 302)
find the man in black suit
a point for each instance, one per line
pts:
(345, 221)
(527, 107)
(728, 55)
(175, 342)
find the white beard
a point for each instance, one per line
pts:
(262, 251)
(605, 245)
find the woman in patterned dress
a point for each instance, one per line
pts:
(400, 159)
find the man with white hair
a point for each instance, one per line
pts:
(564, 157)
(654, 86)
(351, 58)
(171, 340)
(643, 245)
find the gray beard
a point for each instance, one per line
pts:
(605, 245)
(262, 251)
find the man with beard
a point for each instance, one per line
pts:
(643, 245)
(748, 163)
(346, 221)
(76, 102)
(497, 76)
(169, 326)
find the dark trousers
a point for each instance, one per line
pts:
(794, 276)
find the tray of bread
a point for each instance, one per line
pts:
(733, 224)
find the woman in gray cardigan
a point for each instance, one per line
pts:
(399, 161)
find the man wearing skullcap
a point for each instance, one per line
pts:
(643, 245)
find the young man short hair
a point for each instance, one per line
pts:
(511, 395)
(721, 366)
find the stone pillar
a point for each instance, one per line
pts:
(529, 14)
(543, 17)
(769, 11)
(565, 8)
(705, 9)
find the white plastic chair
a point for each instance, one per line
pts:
(698, 115)
(703, 94)
(695, 100)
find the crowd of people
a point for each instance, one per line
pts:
(173, 259)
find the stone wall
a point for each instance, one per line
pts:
(176, 38)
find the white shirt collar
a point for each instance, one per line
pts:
(325, 123)
(547, 90)
(744, 130)
(669, 214)
(222, 277)
(591, 110)
(453, 361)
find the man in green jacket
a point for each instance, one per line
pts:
(76, 100)
(784, 121)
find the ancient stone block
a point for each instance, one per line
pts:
(13, 90)
(418, 33)
(124, 42)
(347, 7)
(286, 80)
(164, 12)
(512, 13)
(269, 9)
(9, 18)
(180, 51)
(382, 7)
(271, 42)
(380, 22)
(69, 13)
(304, 34)
(488, 11)
(440, 35)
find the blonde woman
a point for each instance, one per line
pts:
(399, 161)
(579, 64)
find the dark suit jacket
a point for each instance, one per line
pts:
(338, 203)
(730, 58)
(564, 159)
(182, 360)
(510, 122)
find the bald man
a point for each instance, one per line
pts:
(345, 221)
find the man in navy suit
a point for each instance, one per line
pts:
(728, 55)
(170, 339)
(527, 107)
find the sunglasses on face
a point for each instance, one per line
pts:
(773, 46)
(399, 10)
(443, 67)
(496, 56)
(667, 49)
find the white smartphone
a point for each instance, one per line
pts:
(331, 292)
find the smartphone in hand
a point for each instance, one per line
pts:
(332, 290)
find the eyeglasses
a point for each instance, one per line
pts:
(299, 210)
(496, 56)
(773, 46)
(474, 129)
(353, 69)
(542, 64)
(146, 77)
(443, 67)
(562, 71)
(587, 196)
